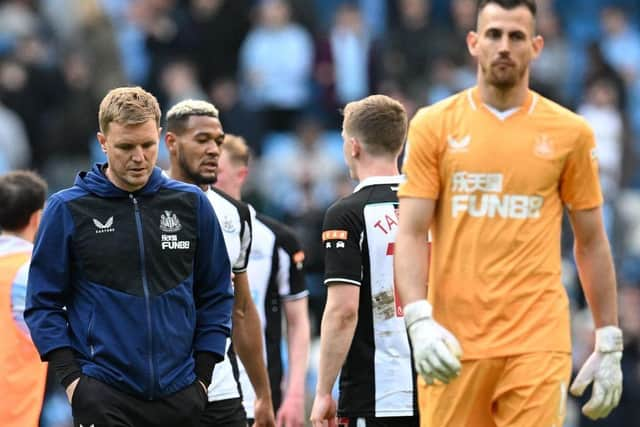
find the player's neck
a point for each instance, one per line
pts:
(377, 167)
(235, 192)
(503, 99)
(176, 174)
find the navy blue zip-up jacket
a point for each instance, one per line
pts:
(134, 283)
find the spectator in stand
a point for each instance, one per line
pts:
(275, 66)
(345, 66)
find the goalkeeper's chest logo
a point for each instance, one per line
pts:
(169, 222)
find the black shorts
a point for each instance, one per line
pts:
(224, 413)
(97, 404)
(378, 422)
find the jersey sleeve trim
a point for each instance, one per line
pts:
(583, 206)
(343, 280)
(294, 297)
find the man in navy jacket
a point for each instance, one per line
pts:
(129, 295)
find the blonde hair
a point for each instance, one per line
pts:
(179, 114)
(379, 122)
(128, 106)
(239, 151)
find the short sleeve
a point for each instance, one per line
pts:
(290, 277)
(421, 162)
(341, 235)
(18, 297)
(240, 265)
(580, 184)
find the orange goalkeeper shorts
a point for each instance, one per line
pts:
(528, 390)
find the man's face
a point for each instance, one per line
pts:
(132, 151)
(504, 44)
(228, 172)
(347, 147)
(198, 149)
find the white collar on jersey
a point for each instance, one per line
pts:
(502, 115)
(375, 180)
(10, 244)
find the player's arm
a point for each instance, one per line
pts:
(297, 316)
(247, 341)
(436, 351)
(595, 265)
(411, 250)
(293, 293)
(596, 271)
(342, 230)
(336, 333)
(47, 294)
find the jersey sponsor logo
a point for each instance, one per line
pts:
(334, 235)
(486, 199)
(169, 222)
(171, 242)
(107, 227)
(466, 182)
(459, 145)
(543, 147)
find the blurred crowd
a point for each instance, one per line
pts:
(280, 71)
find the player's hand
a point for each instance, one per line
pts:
(263, 413)
(291, 412)
(323, 412)
(603, 369)
(71, 388)
(436, 352)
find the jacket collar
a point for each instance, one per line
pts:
(95, 181)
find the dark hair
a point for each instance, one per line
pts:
(22, 193)
(510, 4)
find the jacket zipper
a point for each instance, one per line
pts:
(89, 333)
(145, 286)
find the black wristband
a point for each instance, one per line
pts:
(205, 362)
(64, 365)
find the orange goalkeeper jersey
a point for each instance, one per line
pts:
(500, 186)
(22, 374)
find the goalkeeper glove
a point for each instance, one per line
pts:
(603, 369)
(436, 352)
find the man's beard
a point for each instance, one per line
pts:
(504, 81)
(194, 176)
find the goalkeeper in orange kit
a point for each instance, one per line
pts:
(489, 172)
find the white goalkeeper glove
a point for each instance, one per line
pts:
(603, 369)
(436, 352)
